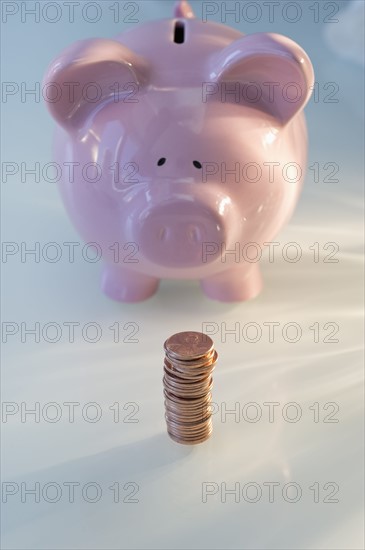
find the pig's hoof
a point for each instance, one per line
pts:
(128, 288)
(233, 287)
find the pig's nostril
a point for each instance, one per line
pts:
(161, 161)
(197, 164)
(194, 234)
(162, 234)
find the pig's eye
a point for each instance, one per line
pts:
(197, 164)
(161, 161)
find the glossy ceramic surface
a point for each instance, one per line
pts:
(187, 150)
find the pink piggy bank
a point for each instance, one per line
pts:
(185, 147)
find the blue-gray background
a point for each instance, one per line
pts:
(170, 512)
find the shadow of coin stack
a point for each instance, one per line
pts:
(189, 363)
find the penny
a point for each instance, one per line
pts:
(188, 345)
(189, 362)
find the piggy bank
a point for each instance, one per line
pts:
(183, 149)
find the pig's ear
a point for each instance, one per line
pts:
(86, 75)
(279, 71)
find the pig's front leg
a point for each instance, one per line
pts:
(234, 285)
(125, 285)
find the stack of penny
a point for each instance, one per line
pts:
(189, 363)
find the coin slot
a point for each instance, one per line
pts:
(179, 32)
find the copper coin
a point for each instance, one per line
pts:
(188, 345)
(192, 441)
(188, 366)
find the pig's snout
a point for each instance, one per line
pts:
(179, 234)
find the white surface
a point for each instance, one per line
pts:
(170, 512)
